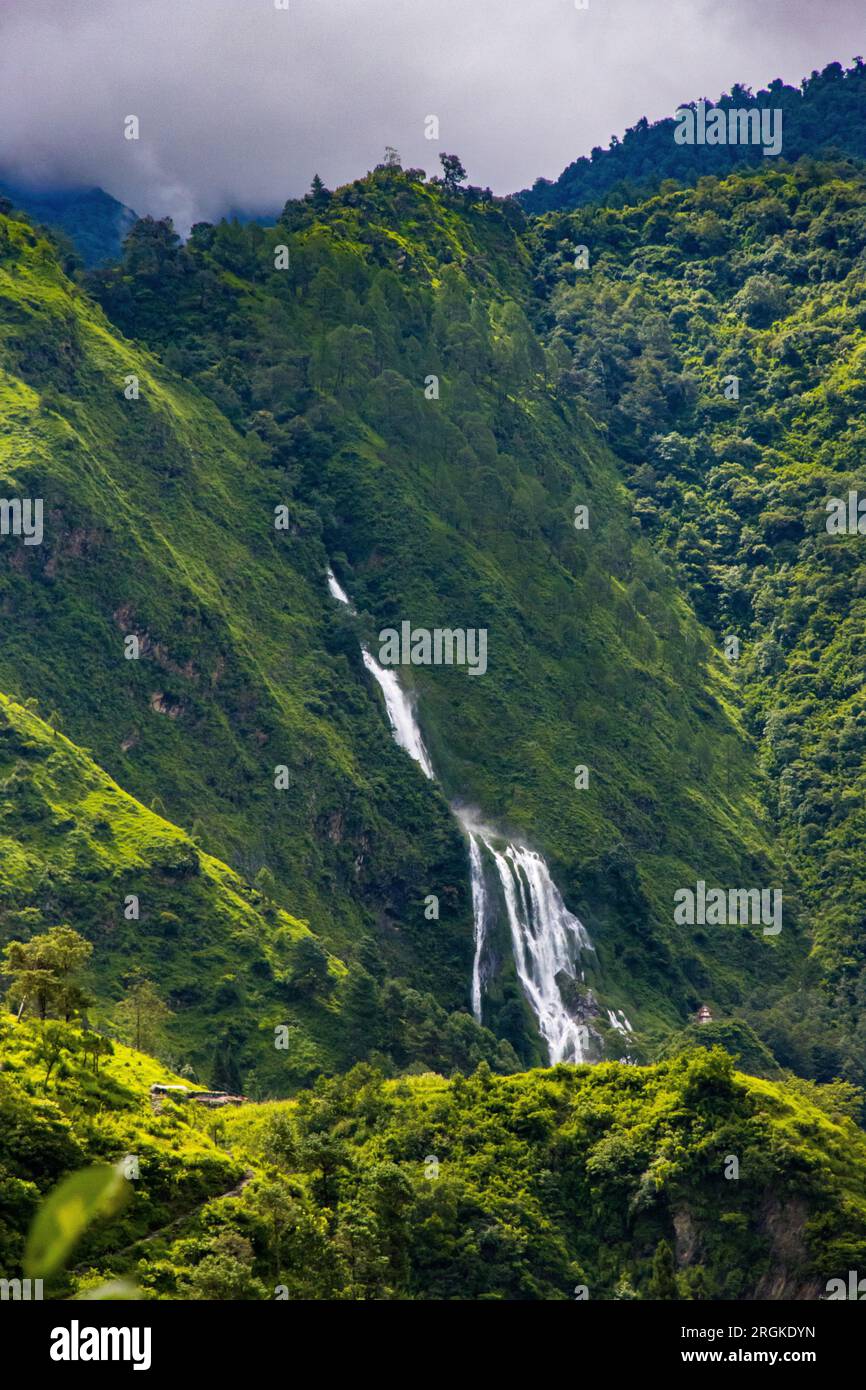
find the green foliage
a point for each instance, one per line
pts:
(303, 392)
(825, 114)
(50, 1129)
(460, 509)
(44, 972)
(92, 1194)
(141, 1015)
(95, 845)
(524, 1187)
(229, 684)
(662, 1282)
(735, 492)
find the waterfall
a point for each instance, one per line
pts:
(398, 707)
(546, 941)
(619, 1021)
(401, 715)
(479, 916)
(546, 938)
(338, 592)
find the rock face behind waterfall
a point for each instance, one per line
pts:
(580, 1002)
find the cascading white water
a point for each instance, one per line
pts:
(619, 1021)
(546, 938)
(401, 716)
(479, 917)
(338, 592)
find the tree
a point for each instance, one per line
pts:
(226, 1272)
(453, 172)
(319, 195)
(309, 972)
(225, 1070)
(54, 1039)
(324, 1156)
(152, 248)
(361, 1012)
(265, 883)
(343, 361)
(663, 1280)
(95, 1045)
(45, 971)
(141, 1016)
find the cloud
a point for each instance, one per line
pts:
(240, 103)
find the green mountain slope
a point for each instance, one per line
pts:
(159, 526)
(256, 1000)
(824, 117)
(76, 848)
(79, 1117)
(95, 223)
(681, 1181)
(305, 389)
(758, 277)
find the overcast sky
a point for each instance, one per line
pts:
(240, 103)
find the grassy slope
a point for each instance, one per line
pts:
(159, 524)
(79, 1118)
(73, 845)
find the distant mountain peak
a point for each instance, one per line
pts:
(95, 222)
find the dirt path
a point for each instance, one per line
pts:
(178, 1221)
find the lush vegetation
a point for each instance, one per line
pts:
(231, 966)
(459, 511)
(823, 116)
(211, 847)
(93, 221)
(681, 1181)
(758, 278)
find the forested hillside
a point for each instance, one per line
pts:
(683, 1181)
(94, 222)
(825, 115)
(750, 285)
(612, 437)
(303, 389)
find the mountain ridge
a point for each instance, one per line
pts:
(821, 118)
